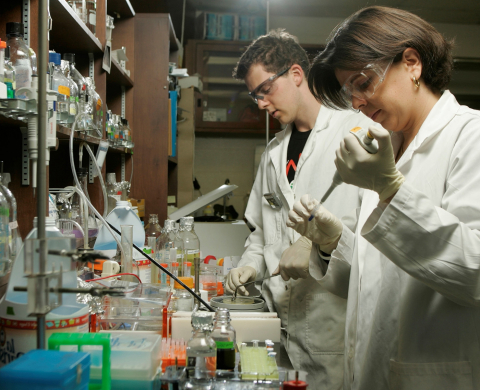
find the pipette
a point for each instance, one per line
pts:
(369, 143)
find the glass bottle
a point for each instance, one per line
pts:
(61, 85)
(73, 104)
(13, 236)
(201, 348)
(9, 70)
(170, 246)
(182, 299)
(79, 8)
(225, 337)
(91, 15)
(75, 74)
(96, 106)
(152, 231)
(190, 240)
(19, 56)
(110, 128)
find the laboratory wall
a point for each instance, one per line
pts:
(217, 159)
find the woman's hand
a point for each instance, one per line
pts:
(376, 172)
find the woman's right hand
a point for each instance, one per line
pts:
(325, 229)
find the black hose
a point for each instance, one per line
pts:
(166, 271)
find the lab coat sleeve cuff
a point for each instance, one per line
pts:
(335, 276)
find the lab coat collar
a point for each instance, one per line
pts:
(439, 117)
(278, 155)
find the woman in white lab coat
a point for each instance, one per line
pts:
(409, 258)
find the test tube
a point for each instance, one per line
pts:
(187, 269)
(164, 278)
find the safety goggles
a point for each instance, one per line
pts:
(268, 87)
(363, 84)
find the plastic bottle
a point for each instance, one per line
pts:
(20, 333)
(74, 97)
(19, 56)
(183, 300)
(122, 214)
(61, 85)
(201, 348)
(152, 231)
(14, 239)
(225, 337)
(190, 240)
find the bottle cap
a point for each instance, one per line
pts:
(186, 280)
(175, 264)
(49, 221)
(188, 263)
(70, 57)
(3, 44)
(55, 58)
(164, 265)
(15, 29)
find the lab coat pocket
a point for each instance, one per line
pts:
(325, 324)
(430, 376)
(272, 226)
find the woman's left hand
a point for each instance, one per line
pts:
(376, 172)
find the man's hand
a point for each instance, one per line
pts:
(238, 276)
(295, 260)
(325, 229)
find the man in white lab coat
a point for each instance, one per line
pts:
(298, 161)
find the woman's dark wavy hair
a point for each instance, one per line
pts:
(379, 34)
(275, 51)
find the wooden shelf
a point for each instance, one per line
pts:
(69, 34)
(9, 122)
(118, 76)
(122, 7)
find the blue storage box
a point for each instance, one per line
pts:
(47, 370)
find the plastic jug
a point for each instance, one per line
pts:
(122, 214)
(19, 329)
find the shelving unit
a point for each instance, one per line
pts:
(147, 113)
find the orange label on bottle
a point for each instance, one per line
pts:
(99, 104)
(64, 90)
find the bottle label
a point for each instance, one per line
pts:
(99, 105)
(64, 90)
(13, 225)
(224, 344)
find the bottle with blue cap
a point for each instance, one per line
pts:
(60, 84)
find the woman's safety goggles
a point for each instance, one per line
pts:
(268, 87)
(363, 84)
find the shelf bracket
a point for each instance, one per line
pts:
(26, 21)
(91, 170)
(123, 101)
(25, 158)
(123, 167)
(91, 66)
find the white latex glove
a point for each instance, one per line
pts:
(376, 172)
(325, 229)
(295, 260)
(239, 276)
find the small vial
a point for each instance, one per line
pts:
(187, 269)
(164, 278)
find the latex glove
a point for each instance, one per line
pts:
(376, 172)
(325, 229)
(295, 260)
(238, 276)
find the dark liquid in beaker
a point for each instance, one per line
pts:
(226, 359)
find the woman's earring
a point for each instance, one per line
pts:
(416, 82)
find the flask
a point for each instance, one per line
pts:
(225, 337)
(183, 300)
(201, 348)
(19, 56)
(190, 240)
(61, 85)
